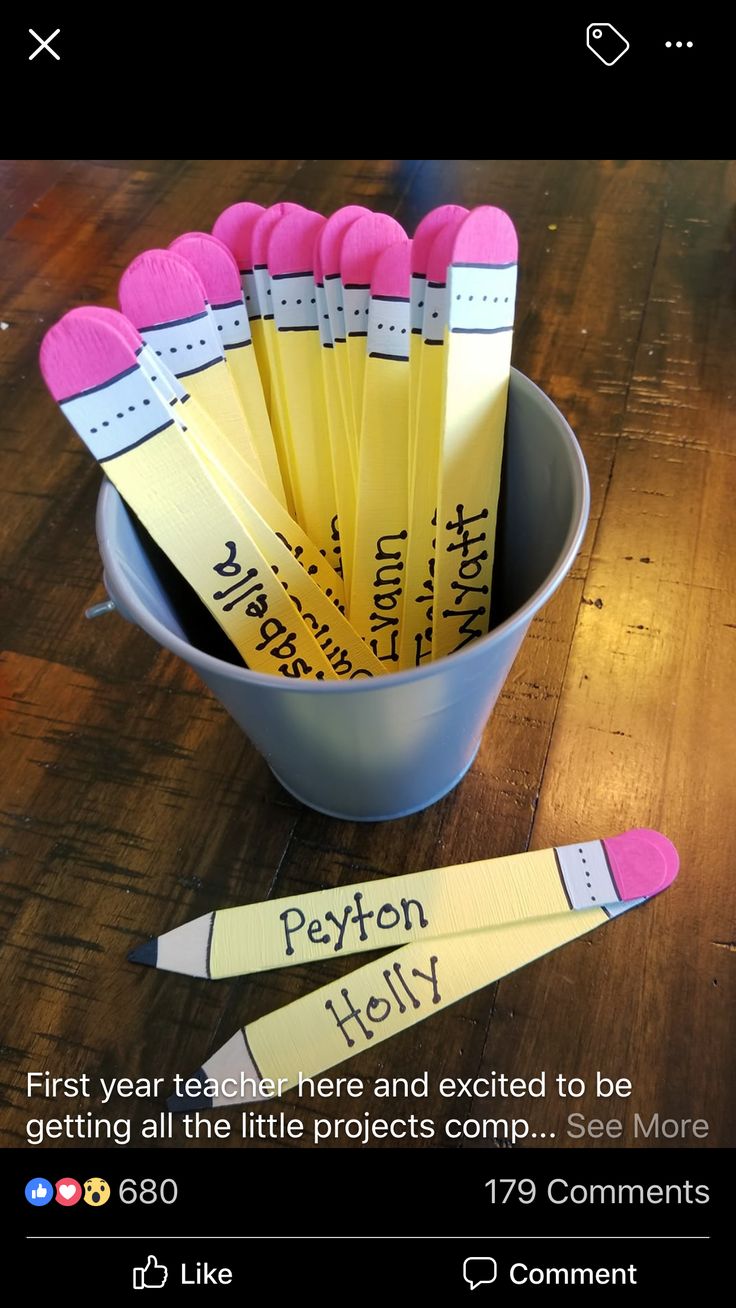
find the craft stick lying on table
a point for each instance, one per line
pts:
(481, 295)
(429, 357)
(382, 512)
(330, 246)
(165, 299)
(431, 224)
(91, 369)
(379, 1000)
(362, 243)
(419, 906)
(290, 258)
(221, 280)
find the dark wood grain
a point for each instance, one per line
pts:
(131, 802)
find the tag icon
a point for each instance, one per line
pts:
(606, 42)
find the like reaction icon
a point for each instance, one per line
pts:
(39, 1192)
(68, 1192)
(151, 1277)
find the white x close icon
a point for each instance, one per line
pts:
(44, 45)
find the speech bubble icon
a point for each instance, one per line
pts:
(479, 1271)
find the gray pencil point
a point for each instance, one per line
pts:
(146, 953)
(191, 1103)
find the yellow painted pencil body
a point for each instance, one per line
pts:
(335, 297)
(339, 441)
(416, 640)
(478, 356)
(235, 338)
(417, 296)
(238, 481)
(357, 307)
(265, 343)
(377, 590)
(161, 476)
(300, 376)
(395, 911)
(180, 346)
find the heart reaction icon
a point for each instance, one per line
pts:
(68, 1192)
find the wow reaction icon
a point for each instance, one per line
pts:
(96, 1192)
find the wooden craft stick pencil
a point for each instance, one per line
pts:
(313, 587)
(361, 245)
(382, 513)
(336, 425)
(259, 238)
(247, 493)
(431, 224)
(429, 364)
(330, 245)
(234, 227)
(290, 258)
(379, 1000)
(419, 906)
(236, 475)
(165, 299)
(221, 280)
(481, 295)
(94, 374)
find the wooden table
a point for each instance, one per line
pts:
(131, 802)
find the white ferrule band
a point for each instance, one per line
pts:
(481, 299)
(336, 307)
(435, 313)
(122, 413)
(231, 321)
(417, 293)
(262, 283)
(323, 316)
(586, 875)
(294, 302)
(161, 376)
(185, 346)
(388, 328)
(357, 304)
(250, 294)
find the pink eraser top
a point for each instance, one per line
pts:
(440, 252)
(82, 351)
(215, 264)
(333, 234)
(486, 236)
(158, 287)
(364, 240)
(642, 862)
(392, 271)
(235, 227)
(111, 316)
(264, 226)
(292, 241)
(424, 237)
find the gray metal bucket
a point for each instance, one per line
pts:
(369, 750)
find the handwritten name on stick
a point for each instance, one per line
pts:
(409, 913)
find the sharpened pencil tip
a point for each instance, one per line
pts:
(191, 1103)
(146, 953)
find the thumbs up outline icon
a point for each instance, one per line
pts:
(151, 1277)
